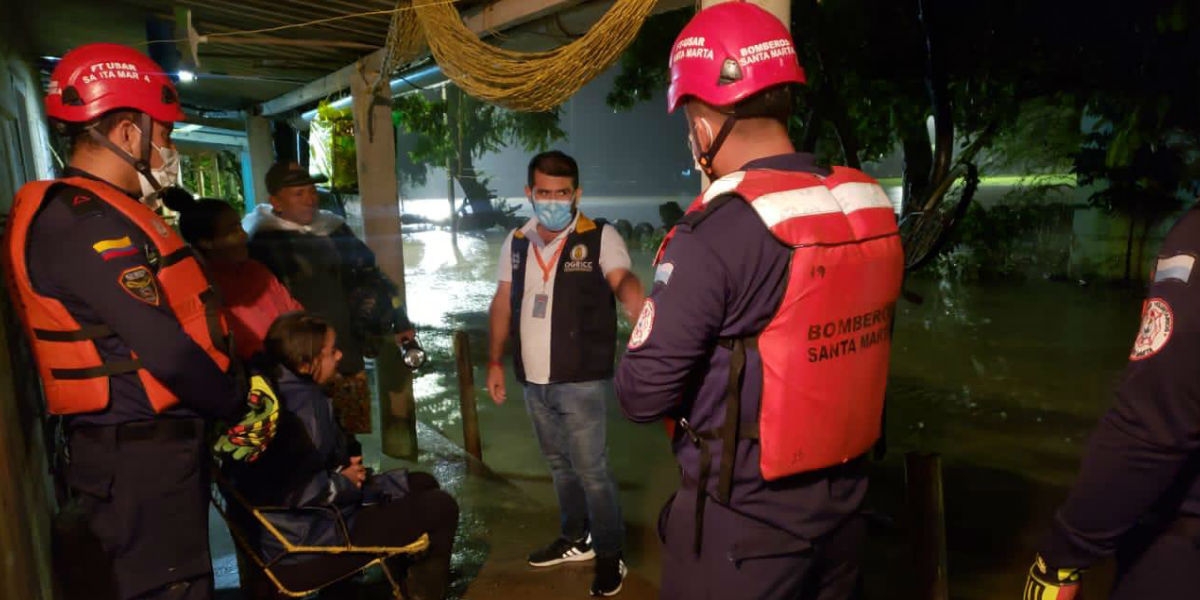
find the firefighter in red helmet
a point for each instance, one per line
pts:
(766, 335)
(130, 347)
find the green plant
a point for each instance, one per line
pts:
(1025, 233)
(213, 174)
(333, 148)
(650, 243)
(457, 130)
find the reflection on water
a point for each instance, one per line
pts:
(449, 286)
(972, 364)
(1003, 380)
(991, 374)
(1035, 350)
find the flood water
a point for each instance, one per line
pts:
(1003, 380)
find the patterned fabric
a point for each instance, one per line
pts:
(351, 396)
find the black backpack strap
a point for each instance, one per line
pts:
(729, 433)
(733, 413)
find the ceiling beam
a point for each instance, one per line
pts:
(278, 41)
(506, 14)
(499, 15)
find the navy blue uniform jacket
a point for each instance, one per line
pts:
(1143, 461)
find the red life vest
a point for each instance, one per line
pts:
(74, 377)
(825, 351)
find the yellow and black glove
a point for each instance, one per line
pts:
(1045, 583)
(247, 440)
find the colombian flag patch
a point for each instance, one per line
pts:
(110, 249)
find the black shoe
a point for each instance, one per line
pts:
(561, 551)
(610, 574)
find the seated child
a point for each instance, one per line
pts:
(310, 469)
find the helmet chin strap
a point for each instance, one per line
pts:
(141, 165)
(705, 160)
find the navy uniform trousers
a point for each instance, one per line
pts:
(136, 526)
(1159, 562)
(745, 559)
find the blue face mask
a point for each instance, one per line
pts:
(553, 215)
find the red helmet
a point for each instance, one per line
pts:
(97, 78)
(730, 52)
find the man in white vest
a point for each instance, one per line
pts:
(559, 276)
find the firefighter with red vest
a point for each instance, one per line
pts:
(765, 339)
(129, 343)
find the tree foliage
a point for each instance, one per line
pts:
(213, 174)
(335, 151)
(458, 129)
(1015, 76)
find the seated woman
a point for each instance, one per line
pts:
(307, 466)
(251, 295)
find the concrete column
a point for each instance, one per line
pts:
(261, 154)
(375, 144)
(249, 187)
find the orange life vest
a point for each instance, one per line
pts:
(825, 351)
(74, 377)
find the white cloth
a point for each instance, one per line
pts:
(263, 218)
(535, 333)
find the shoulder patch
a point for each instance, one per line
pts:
(140, 283)
(644, 326)
(663, 273)
(1178, 268)
(1157, 323)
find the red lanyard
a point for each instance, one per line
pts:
(548, 268)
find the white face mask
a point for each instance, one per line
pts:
(167, 175)
(694, 145)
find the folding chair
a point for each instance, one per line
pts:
(223, 494)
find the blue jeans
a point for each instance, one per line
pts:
(570, 422)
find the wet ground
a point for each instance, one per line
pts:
(1003, 381)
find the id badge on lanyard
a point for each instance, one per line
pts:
(539, 305)
(542, 301)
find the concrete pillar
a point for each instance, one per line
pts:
(261, 154)
(375, 144)
(249, 187)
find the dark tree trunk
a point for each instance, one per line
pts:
(476, 193)
(939, 96)
(809, 133)
(453, 97)
(1129, 248)
(918, 162)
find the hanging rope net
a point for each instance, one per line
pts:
(405, 41)
(523, 81)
